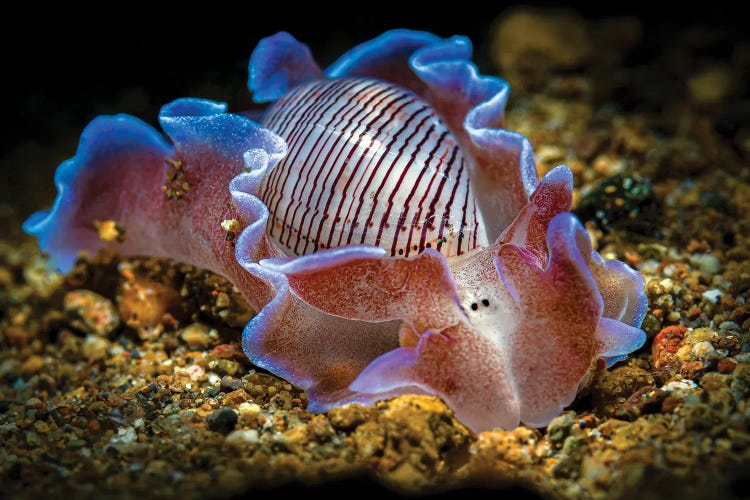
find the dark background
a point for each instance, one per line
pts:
(60, 70)
(80, 66)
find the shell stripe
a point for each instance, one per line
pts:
(358, 187)
(329, 99)
(291, 111)
(312, 150)
(384, 181)
(366, 160)
(308, 108)
(367, 109)
(396, 189)
(416, 226)
(445, 219)
(404, 214)
(342, 172)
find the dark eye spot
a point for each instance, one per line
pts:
(474, 306)
(485, 302)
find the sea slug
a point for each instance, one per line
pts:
(391, 235)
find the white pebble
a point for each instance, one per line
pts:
(125, 435)
(667, 285)
(116, 349)
(194, 371)
(249, 408)
(712, 295)
(214, 379)
(677, 385)
(648, 266)
(243, 437)
(707, 263)
(702, 350)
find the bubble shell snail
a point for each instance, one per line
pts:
(392, 237)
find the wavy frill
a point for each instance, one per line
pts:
(126, 172)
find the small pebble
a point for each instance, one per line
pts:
(644, 400)
(667, 284)
(197, 335)
(225, 367)
(32, 365)
(125, 435)
(214, 379)
(144, 303)
(222, 420)
(230, 384)
(648, 266)
(34, 403)
(666, 344)
(230, 225)
(702, 350)
(194, 371)
(729, 325)
(349, 416)
(89, 312)
(136, 467)
(692, 369)
(707, 263)
(561, 427)
(248, 408)
(94, 348)
(242, 438)
(222, 300)
(683, 385)
(726, 365)
(18, 335)
(712, 295)
(236, 398)
(711, 85)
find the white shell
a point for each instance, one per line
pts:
(368, 162)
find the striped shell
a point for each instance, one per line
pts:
(369, 162)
